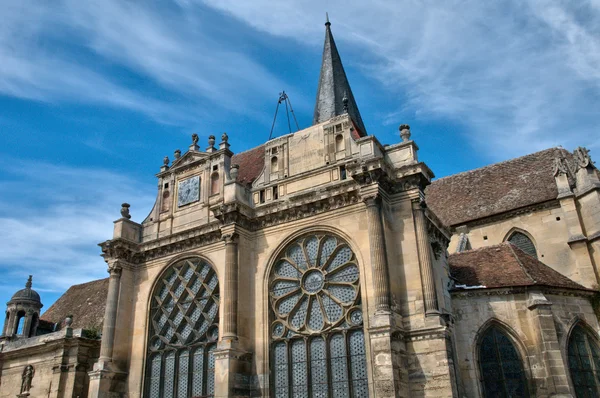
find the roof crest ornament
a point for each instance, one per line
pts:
(28, 284)
(561, 166)
(582, 158)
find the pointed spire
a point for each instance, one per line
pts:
(334, 96)
(28, 284)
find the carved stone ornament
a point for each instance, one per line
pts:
(166, 161)
(231, 238)
(211, 141)
(177, 154)
(194, 139)
(560, 166)
(224, 137)
(582, 157)
(404, 132)
(125, 210)
(234, 171)
(26, 379)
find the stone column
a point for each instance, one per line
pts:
(110, 313)
(230, 288)
(378, 254)
(425, 263)
(27, 323)
(6, 324)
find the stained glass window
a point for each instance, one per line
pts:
(501, 367)
(523, 242)
(584, 363)
(317, 348)
(183, 331)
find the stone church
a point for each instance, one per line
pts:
(325, 264)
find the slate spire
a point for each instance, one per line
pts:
(334, 96)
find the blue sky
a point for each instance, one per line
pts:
(94, 94)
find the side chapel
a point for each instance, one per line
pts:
(325, 264)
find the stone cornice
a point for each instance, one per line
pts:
(506, 291)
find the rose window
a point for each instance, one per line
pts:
(315, 292)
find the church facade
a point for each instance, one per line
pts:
(325, 264)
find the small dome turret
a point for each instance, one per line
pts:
(23, 312)
(27, 294)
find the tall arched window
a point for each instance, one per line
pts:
(183, 330)
(584, 363)
(500, 365)
(317, 339)
(523, 242)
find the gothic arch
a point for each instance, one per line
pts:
(182, 329)
(516, 338)
(579, 324)
(329, 341)
(515, 231)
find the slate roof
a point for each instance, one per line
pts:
(86, 302)
(251, 163)
(496, 188)
(504, 265)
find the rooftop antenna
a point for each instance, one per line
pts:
(283, 97)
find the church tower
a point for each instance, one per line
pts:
(334, 95)
(22, 313)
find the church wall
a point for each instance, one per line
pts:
(549, 235)
(60, 365)
(539, 332)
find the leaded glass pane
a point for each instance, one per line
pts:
(169, 375)
(500, 365)
(583, 364)
(183, 312)
(358, 364)
(314, 288)
(198, 371)
(210, 372)
(182, 374)
(280, 363)
(523, 242)
(154, 382)
(339, 366)
(318, 365)
(299, 370)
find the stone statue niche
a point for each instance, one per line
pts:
(26, 379)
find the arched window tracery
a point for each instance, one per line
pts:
(584, 363)
(183, 330)
(523, 242)
(317, 339)
(501, 367)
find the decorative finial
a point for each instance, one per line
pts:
(177, 154)
(125, 210)
(194, 139)
(582, 158)
(166, 161)
(345, 102)
(234, 171)
(69, 320)
(28, 284)
(224, 137)
(211, 141)
(404, 132)
(327, 23)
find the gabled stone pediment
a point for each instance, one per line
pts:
(190, 158)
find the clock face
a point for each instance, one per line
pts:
(188, 191)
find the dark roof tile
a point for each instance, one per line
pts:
(251, 164)
(504, 265)
(496, 188)
(86, 302)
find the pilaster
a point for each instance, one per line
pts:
(425, 263)
(554, 381)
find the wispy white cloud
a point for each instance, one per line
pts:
(517, 76)
(57, 242)
(82, 52)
